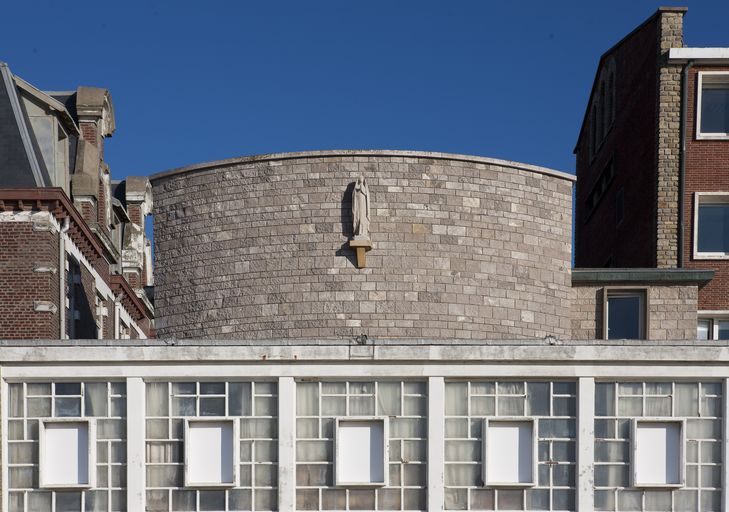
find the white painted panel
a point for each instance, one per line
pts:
(65, 457)
(361, 452)
(210, 453)
(658, 453)
(136, 495)
(509, 452)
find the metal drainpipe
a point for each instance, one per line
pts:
(62, 276)
(682, 158)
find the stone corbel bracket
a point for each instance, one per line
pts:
(361, 247)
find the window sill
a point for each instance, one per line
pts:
(66, 487)
(712, 136)
(520, 485)
(657, 486)
(711, 256)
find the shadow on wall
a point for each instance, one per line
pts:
(86, 322)
(599, 296)
(345, 216)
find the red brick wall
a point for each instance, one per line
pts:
(135, 214)
(101, 208)
(89, 132)
(631, 142)
(88, 210)
(20, 286)
(133, 279)
(706, 170)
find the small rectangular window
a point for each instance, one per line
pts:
(658, 453)
(626, 315)
(722, 329)
(712, 329)
(211, 453)
(711, 225)
(66, 454)
(714, 227)
(360, 452)
(509, 456)
(713, 108)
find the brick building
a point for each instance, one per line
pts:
(653, 161)
(75, 259)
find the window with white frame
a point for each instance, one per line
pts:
(711, 225)
(712, 120)
(625, 314)
(66, 454)
(361, 452)
(509, 452)
(657, 446)
(712, 329)
(101, 313)
(211, 453)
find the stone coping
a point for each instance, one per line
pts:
(207, 166)
(640, 275)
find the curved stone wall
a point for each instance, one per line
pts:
(463, 247)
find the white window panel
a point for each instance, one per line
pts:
(66, 454)
(361, 452)
(211, 453)
(703, 329)
(509, 452)
(658, 453)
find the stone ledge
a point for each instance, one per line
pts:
(640, 275)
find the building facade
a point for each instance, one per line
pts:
(75, 258)
(653, 161)
(431, 349)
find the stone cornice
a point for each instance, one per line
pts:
(208, 166)
(55, 201)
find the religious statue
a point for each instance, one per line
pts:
(361, 209)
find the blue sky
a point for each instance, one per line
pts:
(199, 81)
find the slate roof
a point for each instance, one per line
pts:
(19, 159)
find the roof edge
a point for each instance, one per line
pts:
(205, 166)
(650, 19)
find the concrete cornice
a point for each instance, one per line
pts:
(208, 166)
(594, 352)
(703, 55)
(640, 275)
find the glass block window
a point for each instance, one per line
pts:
(102, 402)
(552, 406)
(318, 404)
(254, 405)
(617, 404)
